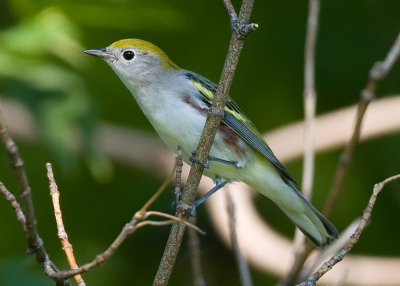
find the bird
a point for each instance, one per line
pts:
(176, 102)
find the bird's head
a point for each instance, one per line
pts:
(135, 61)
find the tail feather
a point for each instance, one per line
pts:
(312, 223)
(266, 180)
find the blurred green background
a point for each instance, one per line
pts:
(43, 67)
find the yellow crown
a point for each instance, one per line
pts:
(146, 47)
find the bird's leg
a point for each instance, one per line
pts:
(215, 159)
(233, 163)
(219, 183)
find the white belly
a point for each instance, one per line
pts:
(184, 128)
(181, 123)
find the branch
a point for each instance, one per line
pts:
(138, 220)
(15, 205)
(62, 234)
(376, 74)
(243, 30)
(127, 230)
(35, 242)
(245, 277)
(195, 256)
(310, 98)
(353, 239)
(175, 219)
(213, 121)
(194, 241)
(178, 176)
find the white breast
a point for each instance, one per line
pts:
(179, 119)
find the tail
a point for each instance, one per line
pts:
(311, 222)
(280, 188)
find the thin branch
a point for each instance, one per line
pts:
(195, 256)
(154, 223)
(138, 220)
(62, 234)
(229, 7)
(172, 220)
(134, 224)
(35, 242)
(310, 98)
(244, 271)
(194, 241)
(15, 205)
(376, 74)
(243, 30)
(128, 229)
(176, 219)
(17, 164)
(213, 121)
(178, 176)
(321, 256)
(311, 281)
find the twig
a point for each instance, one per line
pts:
(310, 98)
(61, 232)
(134, 224)
(178, 176)
(195, 255)
(243, 30)
(354, 238)
(15, 205)
(321, 256)
(245, 277)
(376, 74)
(154, 223)
(213, 121)
(176, 219)
(194, 241)
(138, 220)
(128, 229)
(35, 242)
(229, 7)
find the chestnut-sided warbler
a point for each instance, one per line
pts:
(176, 102)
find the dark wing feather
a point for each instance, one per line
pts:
(253, 140)
(243, 127)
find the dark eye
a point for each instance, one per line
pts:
(128, 55)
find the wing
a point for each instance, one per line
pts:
(237, 120)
